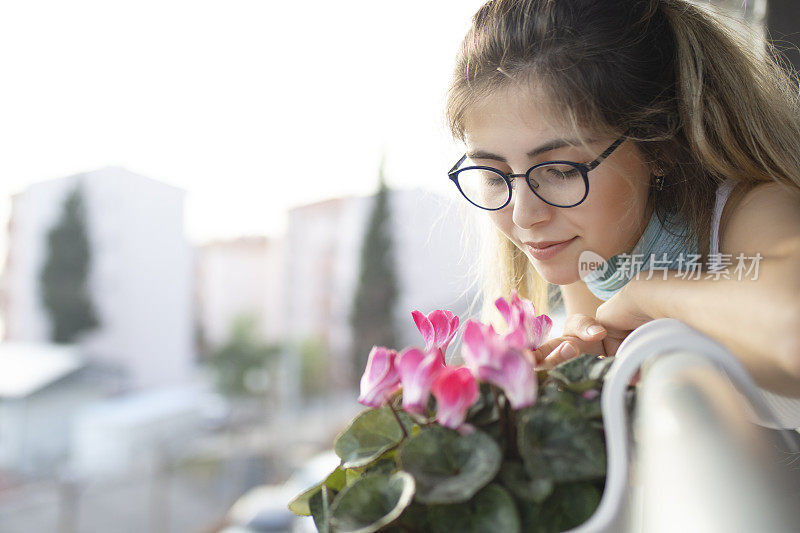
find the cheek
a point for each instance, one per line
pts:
(503, 221)
(612, 215)
(611, 192)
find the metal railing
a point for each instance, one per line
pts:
(698, 462)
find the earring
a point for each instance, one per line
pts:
(659, 178)
(659, 182)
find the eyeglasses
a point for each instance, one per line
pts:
(559, 183)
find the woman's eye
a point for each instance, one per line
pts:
(563, 174)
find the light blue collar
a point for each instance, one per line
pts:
(655, 241)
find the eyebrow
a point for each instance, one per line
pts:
(546, 147)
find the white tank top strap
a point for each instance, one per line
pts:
(723, 191)
(786, 409)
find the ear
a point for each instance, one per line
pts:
(657, 166)
(658, 157)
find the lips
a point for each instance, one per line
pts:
(544, 244)
(548, 252)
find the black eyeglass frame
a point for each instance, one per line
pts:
(583, 168)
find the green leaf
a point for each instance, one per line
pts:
(590, 409)
(490, 511)
(369, 435)
(320, 509)
(352, 474)
(449, 467)
(582, 373)
(554, 391)
(385, 463)
(570, 505)
(414, 518)
(516, 480)
(372, 502)
(484, 410)
(382, 466)
(556, 443)
(335, 481)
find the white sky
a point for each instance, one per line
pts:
(232, 100)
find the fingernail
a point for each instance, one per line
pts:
(568, 350)
(594, 330)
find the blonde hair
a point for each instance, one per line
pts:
(699, 99)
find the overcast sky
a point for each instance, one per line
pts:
(239, 102)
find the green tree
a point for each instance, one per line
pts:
(314, 367)
(243, 364)
(372, 316)
(63, 276)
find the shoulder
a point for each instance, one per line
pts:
(765, 220)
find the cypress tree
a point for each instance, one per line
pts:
(372, 316)
(63, 276)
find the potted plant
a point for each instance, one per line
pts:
(489, 445)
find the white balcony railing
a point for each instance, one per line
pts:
(697, 462)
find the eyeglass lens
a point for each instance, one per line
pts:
(558, 184)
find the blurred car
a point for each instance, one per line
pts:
(265, 508)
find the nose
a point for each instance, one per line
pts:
(528, 209)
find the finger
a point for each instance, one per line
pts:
(564, 352)
(593, 332)
(584, 326)
(553, 345)
(539, 355)
(547, 348)
(530, 355)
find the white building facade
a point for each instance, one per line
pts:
(140, 279)
(236, 277)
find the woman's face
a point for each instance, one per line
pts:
(609, 221)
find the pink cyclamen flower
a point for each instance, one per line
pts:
(456, 391)
(590, 394)
(438, 328)
(482, 348)
(417, 370)
(526, 331)
(492, 358)
(380, 379)
(518, 379)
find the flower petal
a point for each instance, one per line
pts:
(441, 327)
(456, 391)
(418, 370)
(380, 379)
(505, 309)
(425, 327)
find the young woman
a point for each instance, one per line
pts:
(625, 128)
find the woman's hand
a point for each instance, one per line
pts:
(616, 317)
(580, 336)
(621, 314)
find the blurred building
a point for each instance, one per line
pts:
(136, 432)
(140, 279)
(323, 247)
(43, 387)
(239, 276)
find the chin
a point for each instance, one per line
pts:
(557, 274)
